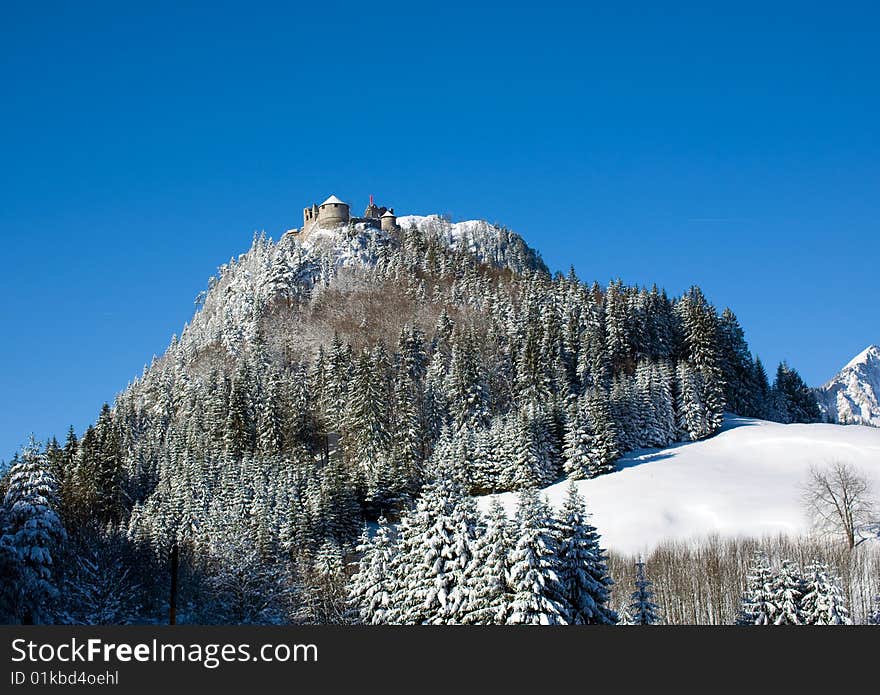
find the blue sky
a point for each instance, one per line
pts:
(733, 147)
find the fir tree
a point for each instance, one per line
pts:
(758, 605)
(534, 580)
(582, 569)
(372, 587)
(737, 367)
(490, 594)
(642, 609)
(788, 591)
(32, 531)
(823, 602)
(794, 400)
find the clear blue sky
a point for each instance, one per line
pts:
(736, 148)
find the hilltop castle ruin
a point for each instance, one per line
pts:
(334, 213)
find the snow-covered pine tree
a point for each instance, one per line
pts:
(788, 590)
(32, 532)
(371, 588)
(823, 602)
(530, 443)
(616, 325)
(758, 605)
(240, 430)
(534, 579)
(578, 442)
(582, 568)
(642, 609)
(434, 556)
(465, 387)
(700, 332)
(690, 408)
(605, 443)
(367, 430)
(489, 580)
(269, 419)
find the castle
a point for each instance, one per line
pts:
(335, 213)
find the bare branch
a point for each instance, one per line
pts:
(837, 498)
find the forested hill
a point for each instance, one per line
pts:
(324, 381)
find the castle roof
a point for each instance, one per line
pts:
(388, 213)
(333, 200)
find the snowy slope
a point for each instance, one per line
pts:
(743, 482)
(853, 396)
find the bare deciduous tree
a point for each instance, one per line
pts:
(837, 498)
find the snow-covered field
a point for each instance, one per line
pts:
(745, 481)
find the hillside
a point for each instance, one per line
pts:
(742, 482)
(853, 395)
(350, 372)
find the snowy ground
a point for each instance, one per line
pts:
(743, 482)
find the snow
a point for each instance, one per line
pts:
(853, 395)
(872, 352)
(333, 200)
(745, 481)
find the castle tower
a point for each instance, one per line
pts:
(310, 214)
(333, 213)
(388, 221)
(372, 211)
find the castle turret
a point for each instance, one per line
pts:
(333, 213)
(388, 221)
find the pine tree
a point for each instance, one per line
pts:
(578, 442)
(794, 400)
(618, 338)
(788, 591)
(705, 380)
(239, 430)
(823, 602)
(763, 403)
(367, 430)
(337, 373)
(691, 411)
(490, 595)
(605, 445)
(642, 609)
(433, 559)
(737, 367)
(534, 579)
(465, 388)
(372, 586)
(32, 531)
(106, 468)
(269, 419)
(583, 571)
(759, 600)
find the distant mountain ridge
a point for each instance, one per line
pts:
(853, 395)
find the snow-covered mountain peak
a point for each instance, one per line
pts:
(869, 355)
(853, 395)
